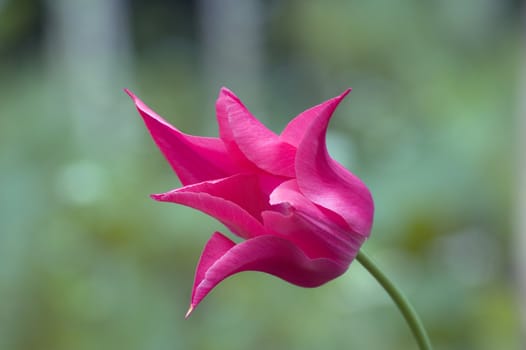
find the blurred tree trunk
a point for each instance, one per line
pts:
(88, 49)
(521, 192)
(232, 47)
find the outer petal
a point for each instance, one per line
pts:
(222, 258)
(236, 201)
(326, 182)
(258, 144)
(194, 159)
(296, 128)
(216, 247)
(316, 231)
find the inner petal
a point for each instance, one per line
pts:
(320, 233)
(262, 147)
(236, 201)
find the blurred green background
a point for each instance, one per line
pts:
(88, 261)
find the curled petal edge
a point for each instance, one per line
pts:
(270, 254)
(327, 183)
(294, 132)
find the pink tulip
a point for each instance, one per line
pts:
(302, 215)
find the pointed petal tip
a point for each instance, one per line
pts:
(189, 312)
(129, 93)
(345, 93)
(157, 196)
(227, 93)
(334, 102)
(224, 91)
(138, 103)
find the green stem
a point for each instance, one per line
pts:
(400, 300)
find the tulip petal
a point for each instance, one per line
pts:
(254, 140)
(316, 231)
(295, 129)
(236, 201)
(225, 133)
(328, 184)
(194, 159)
(216, 247)
(222, 258)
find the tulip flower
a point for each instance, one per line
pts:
(302, 215)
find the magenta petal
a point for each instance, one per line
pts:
(258, 144)
(216, 247)
(269, 254)
(225, 133)
(236, 201)
(319, 233)
(193, 158)
(295, 129)
(326, 182)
